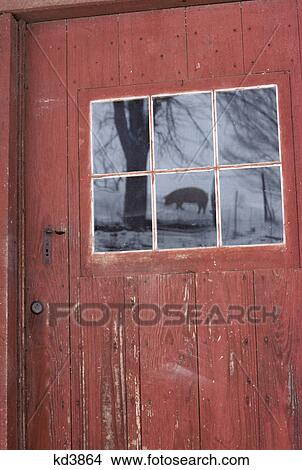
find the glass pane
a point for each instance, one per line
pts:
(120, 136)
(183, 131)
(186, 210)
(122, 214)
(251, 206)
(247, 126)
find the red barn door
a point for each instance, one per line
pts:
(116, 354)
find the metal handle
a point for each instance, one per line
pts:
(48, 232)
(57, 231)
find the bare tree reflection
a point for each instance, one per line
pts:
(247, 133)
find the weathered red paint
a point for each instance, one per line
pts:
(279, 346)
(42, 10)
(48, 348)
(115, 371)
(8, 234)
(214, 41)
(229, 410)
(98, 381)
(187, 260)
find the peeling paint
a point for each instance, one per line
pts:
(232, 364)
(292, 393)
(107, 416)
(122, 374)
(137, 413)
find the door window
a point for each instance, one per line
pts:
(190, 170)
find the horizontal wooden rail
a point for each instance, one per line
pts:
(43, 10)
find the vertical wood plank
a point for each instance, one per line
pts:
(279, 344)
(296, 84)
(92, 62)
(271, 42)
(92, 52)
(132, 366)
(169, 381)
(152, 46)
(227, 361)
(102, 365)
(8, 258)
(270, 35)
(47, 347)
(214, 41)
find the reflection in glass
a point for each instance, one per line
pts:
(122, 214)
(247, 126)
(251, 206)
(186, 210)
(183, 131)
(120, 136)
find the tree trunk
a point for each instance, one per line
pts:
(135, 202)
(134, 137)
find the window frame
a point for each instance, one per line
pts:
(189, 259)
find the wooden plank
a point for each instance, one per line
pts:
(132, 364)
(152, 47)
(168, 361)
(42, 10)
(46, 156)
(48, 416)
(8, 268)
(83, 71)
(279, 346)
(227, 361)
(270, 35)
(214, 41)
(93, 52)
(20, 241)
(296, 89)
(273, 45)
(102, 366)
(47, 346)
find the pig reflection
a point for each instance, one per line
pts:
(189, 195)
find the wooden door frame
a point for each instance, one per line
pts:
(44, 10)
(13, 15)
(9, 245)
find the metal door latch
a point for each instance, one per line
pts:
(47, 242)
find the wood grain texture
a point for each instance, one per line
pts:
(8, 259)
(267, 28)
(227, 361)
(296, 88)
(47, 346)
(89, 66)
(168, 361)
(14, 287)
(45, 147)
(41, 10)
(92, 53)
(273, 44)
(132, 364)
(214, 41)
(279, 344)
(103, 364)
(152, 47)
(160, 386)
